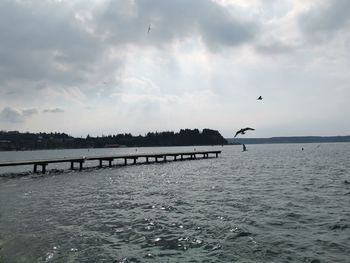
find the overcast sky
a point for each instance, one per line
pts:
(91, 67)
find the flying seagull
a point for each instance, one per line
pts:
(244, 130)
(149, 28)
(260, 98)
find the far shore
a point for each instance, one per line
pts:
(294, 139)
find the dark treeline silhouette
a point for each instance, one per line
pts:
(14, 140)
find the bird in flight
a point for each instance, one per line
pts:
(243, 131)
(260, 98)
(149, 29)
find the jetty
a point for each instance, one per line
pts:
(127, 159)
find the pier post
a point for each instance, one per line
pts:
(125, 161)
(35, 168)
(43, 168)
(182, 157)
(147, 161)
(164, 158)
(156, 159)
(175, 158)
(110, 163)
(217, 155)
(81, 165)
(135, 160)
(72, 165)
(100, 163)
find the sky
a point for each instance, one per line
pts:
(91, 66)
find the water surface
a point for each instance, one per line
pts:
(273, 203)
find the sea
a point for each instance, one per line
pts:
(272, 203)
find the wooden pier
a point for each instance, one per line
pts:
(148, 157)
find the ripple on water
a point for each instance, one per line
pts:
(268, 206)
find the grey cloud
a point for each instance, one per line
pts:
(172, 20)
(55, 110)
(326, 19)
(9, 93)
(29, 112)
(44, 42)
(14, 115)
(274, 48)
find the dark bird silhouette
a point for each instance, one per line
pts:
(149, 29)
(260, 98)
(243, 131)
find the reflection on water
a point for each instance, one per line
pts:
(274, 203)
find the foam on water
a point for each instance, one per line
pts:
(274, 203)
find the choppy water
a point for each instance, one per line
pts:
(274, 203)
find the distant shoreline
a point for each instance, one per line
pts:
(15, 140)
(293, 139)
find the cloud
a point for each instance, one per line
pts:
(81, 45)
(274, 48)
(9, 114)
(325, 19)
(54, 110)
(126, 22)
(42, 41)
(65, 40)
(29, 112)
(95, 59)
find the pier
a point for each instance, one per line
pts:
(127, 159)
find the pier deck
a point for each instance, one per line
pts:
(149, 157)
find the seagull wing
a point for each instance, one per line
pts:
(238, 132)
(248, 129)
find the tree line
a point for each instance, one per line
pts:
(14, 140)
